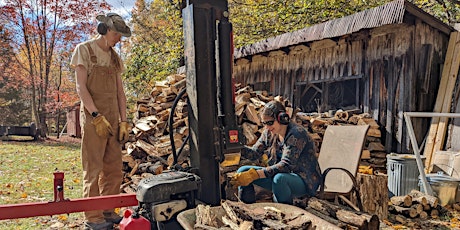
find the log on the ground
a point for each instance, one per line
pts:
(351, 217)
(328, 218)
(402, 201)
(405, 211)
(432, 200)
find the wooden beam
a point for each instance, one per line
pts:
(433, 141)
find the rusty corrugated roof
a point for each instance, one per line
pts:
(390, 13)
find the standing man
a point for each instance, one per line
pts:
(103, 119)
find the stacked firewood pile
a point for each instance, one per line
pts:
(149, 149)
(415, 205)
(249, 103)
(373, 157)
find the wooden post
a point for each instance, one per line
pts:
(448, 78)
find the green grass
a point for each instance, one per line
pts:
(26, 176)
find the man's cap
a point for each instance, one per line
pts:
(115, 22)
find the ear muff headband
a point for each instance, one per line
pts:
(281, 116)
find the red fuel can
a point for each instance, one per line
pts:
(136, 222)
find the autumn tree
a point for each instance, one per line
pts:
(43, 34)
(13, 110)
(157, 47)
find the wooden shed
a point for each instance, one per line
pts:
(384, 61)
(73, 121)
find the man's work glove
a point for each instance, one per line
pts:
(103, 127)
(244, 178)
(123, 132)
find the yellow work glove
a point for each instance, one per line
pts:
(244, 178)
(123, 132)
(103, 127)
(264, 160)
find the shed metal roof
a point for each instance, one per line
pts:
(390, 13)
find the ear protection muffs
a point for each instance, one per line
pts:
(102, 27)
(281, 116)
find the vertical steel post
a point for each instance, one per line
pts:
(200, 19)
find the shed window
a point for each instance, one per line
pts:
(261, 86)
(328, 95)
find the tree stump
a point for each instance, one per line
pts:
(374, 194)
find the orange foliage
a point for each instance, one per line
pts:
(40, 38)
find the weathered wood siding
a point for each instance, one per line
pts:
(399, 64)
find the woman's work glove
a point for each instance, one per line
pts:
(103, 127)
(123, 132)
(264, 160)
(244, 178)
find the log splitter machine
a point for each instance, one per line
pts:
(213, 130)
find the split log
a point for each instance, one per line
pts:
(456, 206)
(246, 225)
(434, 213)
(267, 217)
(401, 219)
(149, 167)
(328, 218)
(426, 207)
(248, 132)
(251, 114)
(376, 147)
(423, 215)
(204, 227)
(176, 87)
(368, 121)
(205, 216)
(418, 208)
(341, 115)
(432, 200)
(230, 223)
(403, 201)
(358, 219)
(408, 212)
(148, 148)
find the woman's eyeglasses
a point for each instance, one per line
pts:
(269, 123)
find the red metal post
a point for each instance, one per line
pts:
(58, 186)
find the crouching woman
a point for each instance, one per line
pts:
(292, 167)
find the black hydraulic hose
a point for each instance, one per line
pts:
(170, 124)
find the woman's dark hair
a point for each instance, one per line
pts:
(272, 109)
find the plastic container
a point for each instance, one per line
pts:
(444, 187)
(402, 174)
(133, 222)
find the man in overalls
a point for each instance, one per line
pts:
(103, 119)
